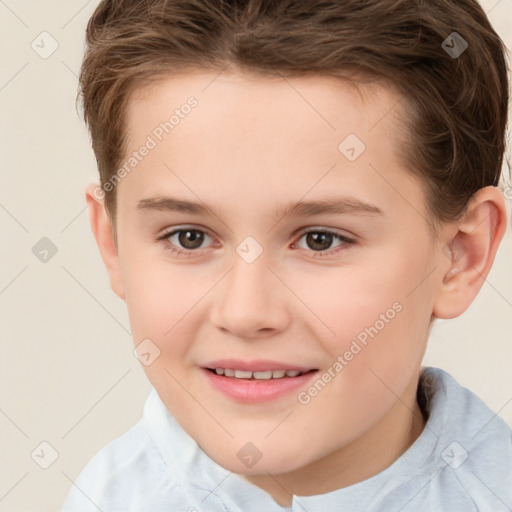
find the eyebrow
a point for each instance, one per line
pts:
(344, 205)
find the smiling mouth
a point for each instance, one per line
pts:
(231, 373)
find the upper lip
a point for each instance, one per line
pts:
(259, 365)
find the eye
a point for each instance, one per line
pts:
(184, 240)
(320, 240)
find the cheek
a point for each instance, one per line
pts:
(378, 322)
(350, 303)
(164, 307)
(159, 297)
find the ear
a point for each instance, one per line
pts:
(102, 229)
(471, 252)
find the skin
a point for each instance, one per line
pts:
(251, 145)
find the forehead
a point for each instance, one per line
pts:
(267, 118)
(322, 103)
(254, 135)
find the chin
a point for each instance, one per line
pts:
(265, 460)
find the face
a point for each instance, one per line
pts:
(306, 249)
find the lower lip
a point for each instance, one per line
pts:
(251, 391)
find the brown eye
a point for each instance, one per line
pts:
(190, 239)
(184, 240)
(319, 241)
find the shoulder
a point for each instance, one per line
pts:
(475, 445)
(128, 472)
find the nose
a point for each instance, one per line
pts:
(251, 301)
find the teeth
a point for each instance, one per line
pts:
(263, 375)
(241, 374)
(266, 375)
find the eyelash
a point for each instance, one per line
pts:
(346, 242)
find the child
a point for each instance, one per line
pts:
(291, 193)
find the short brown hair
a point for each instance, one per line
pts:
(456, 105)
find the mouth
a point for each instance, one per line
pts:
(231, 373)
(257, 381)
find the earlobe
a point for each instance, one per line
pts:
(471, 252)
(101, 226)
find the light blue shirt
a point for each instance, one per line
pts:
(462, 461)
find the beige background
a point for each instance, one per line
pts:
(68, 376)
